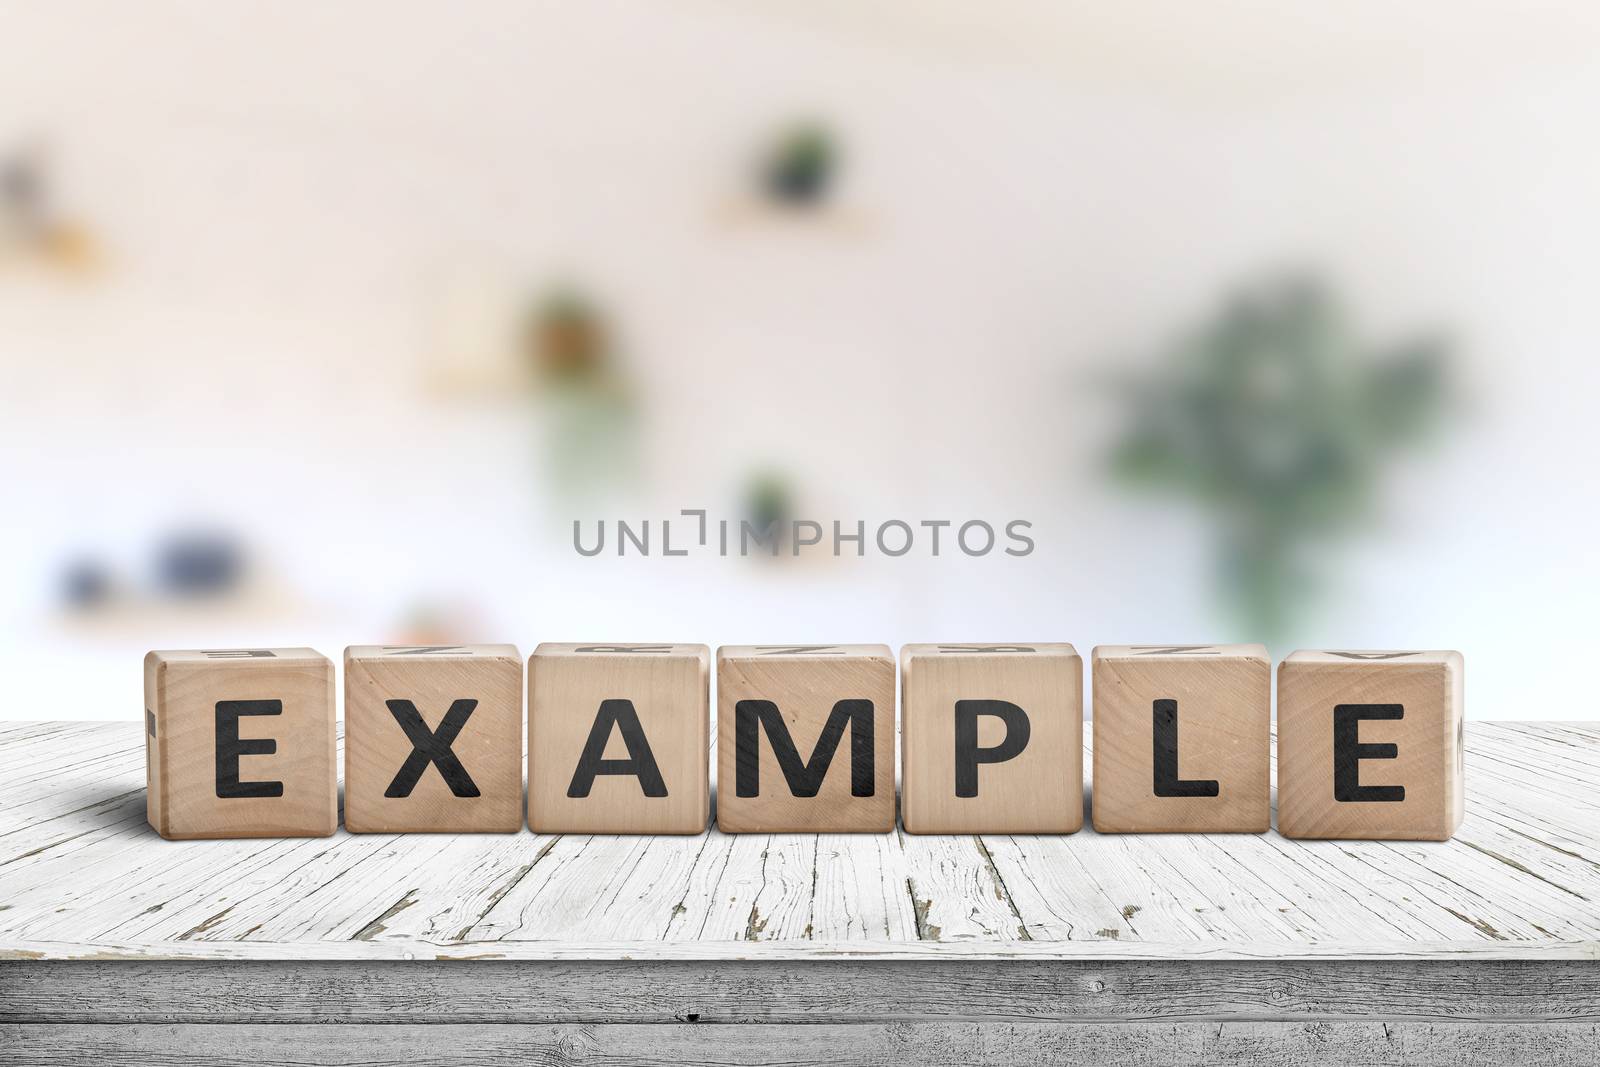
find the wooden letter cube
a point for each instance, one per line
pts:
(240, 743)
(1370, 745)
(432, 738)
(991, 739)
(1181, 739)
(619, 739)
(805, 738)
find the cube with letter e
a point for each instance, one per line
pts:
(619, 738)
(1370, 745)
(432, 739)
(991, 739)
(239, 742)
(805, 738)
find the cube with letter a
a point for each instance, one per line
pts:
(1370, 745)
(239, 742)
(619, 738)
(1181, 739)
(805, 738)
(991, 739)
(432, 739)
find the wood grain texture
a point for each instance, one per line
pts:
(1322, 1044)
(1036, 790)
(809, 687)
(787, 991)
(1418, 752)
(664, 692)
(83, 877)
(438, 685)
(1201, 714)
(239, 743)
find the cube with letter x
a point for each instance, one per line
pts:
(619, 738)
(239, 742)
(433, 738)
(805, 738)
(991, 738)
(1370, 745)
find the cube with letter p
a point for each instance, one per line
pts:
(991, 739)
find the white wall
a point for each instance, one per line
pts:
(280, 189)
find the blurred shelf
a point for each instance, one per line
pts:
(256, 604)
(752, 213)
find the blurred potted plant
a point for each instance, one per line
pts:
(568, 342)
(798, 169)
(769, 507)
(1277, 423)
(591, 412)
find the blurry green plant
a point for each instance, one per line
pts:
(799, 167)
(590, 412)
(567, 339)
(1278, 423)
(769, 501)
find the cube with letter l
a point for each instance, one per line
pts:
(1182, 739)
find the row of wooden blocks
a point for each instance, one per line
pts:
(241, 742)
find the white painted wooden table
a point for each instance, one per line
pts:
(118, 947)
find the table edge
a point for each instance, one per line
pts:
(401, 950)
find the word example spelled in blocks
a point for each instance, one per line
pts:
(240, 743)
(991, 739)
(432, 738)
(805, 738)
(1370, 745)
(1181, 739)
(619, 738)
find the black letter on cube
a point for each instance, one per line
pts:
(804, 778)
(230, 746)
(641, 762)
(1348, 752)
(1167, 783)
(431, 748)
(969, 755)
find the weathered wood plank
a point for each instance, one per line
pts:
(625, 891)
(956, 892)
(1135, 1044)
(1054, 894)
(861, 893)
(799, 949)
(193, 902)
(598, 887)
(787, 991)
(383, 883)
(708, 910)
(780, 910)
(447, 902)
(81, 875)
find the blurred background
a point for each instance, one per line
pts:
(321, 324)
